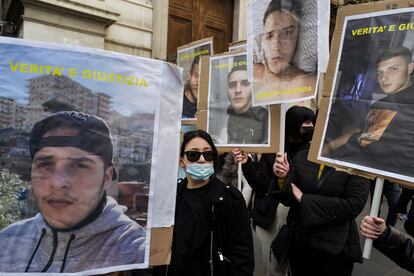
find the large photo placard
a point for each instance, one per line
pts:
(367, 116)
(79, 132)
(225, 105)
(188, 58)
(283, 49)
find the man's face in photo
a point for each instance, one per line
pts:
(240, 91)
(194, 80)
(279, 39)
(394, 74)
(68, 183)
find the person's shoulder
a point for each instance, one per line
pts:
(131, 235)
(305, 80)
(302, 154)
(133, 227)
(127, 241)
(18, 228)
(357, 178)
(113, 216)
(259, 109)
(124, 232)
(233, 192)
(305, 149)
(220, 189)
(189, 108)
(233, 200)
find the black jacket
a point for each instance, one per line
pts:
(260, 177)
(405, 197)
(224, 211)
(324, 220)
(397, 246)
(260, 174)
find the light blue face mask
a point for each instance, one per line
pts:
(200, 171)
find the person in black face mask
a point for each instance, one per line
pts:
(299, 129)
(268, 175)
(323, 205)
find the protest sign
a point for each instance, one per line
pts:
(81, 139)
(188, 58)
(365, 122)
(283, 45)
(226, 110)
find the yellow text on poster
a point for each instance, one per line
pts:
(384, 28)
(36, 69)
(230, 64)
(263, 95)
(199, 53)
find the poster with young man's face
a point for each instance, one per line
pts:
(78, 131)
(232, 120)
(370, 116)
(283, 49)
(188, 58)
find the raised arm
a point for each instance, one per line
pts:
(257, 174)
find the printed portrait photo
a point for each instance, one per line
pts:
(76, 145)
(370, 121)
(283, 43)
(232, 120)
(188, 58)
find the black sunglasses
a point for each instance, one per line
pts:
(194, 156)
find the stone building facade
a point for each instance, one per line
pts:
(136, 27)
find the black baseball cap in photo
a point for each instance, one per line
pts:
(93, 135)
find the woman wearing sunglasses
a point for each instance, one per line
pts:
(212, 233)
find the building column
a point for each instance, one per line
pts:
(240, 20)
(160, 29)
(73, 22)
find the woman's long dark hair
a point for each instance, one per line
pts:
(188, 136)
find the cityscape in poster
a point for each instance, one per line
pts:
(86, 171)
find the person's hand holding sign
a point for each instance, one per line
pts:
(240, 156)
(297, 193)
(281, 166)
(372, 227)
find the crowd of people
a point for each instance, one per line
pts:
(307, 228)
(301, 214)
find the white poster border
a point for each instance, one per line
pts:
(334, 87)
